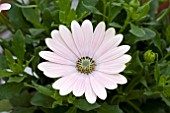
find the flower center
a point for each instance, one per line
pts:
(85, 65)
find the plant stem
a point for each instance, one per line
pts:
(104, 9)
(127, 21)
(134, 106)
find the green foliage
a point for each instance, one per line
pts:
(143, 27)
(84, 105)
(5, 105)
(105, 108)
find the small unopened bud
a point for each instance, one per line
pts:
(134, 3)
(149, 56)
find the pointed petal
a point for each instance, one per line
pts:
(68, 84)
(57, 37)
(106, 80)
(111, 68)
(121, 60)
(79, 86)
(113, 53)
(98, 88)
(53, 70)
(78, 37)
(53, 57)
(97, 38)
(111, 41)
(87, 28)
(89, 93)
(68, 39)
(120, 79)
(5, 6)
(63, 81)
(58, 83)
(60, 49)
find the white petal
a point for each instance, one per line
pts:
(87, 28)
(53, 70)
(60, 49)
(74, 4)
(61, 81)
(57, 37)
(110, 69)
(121, 60)
(53, 57)
(113, 53)
(111, 41)
(97, 38)
(106, 80)
(119, 79)
(58, 83)
(68, 39)
(89, 93)
(110, 33)
(78, 37)
(5, 6)
(68, 84)
(79, 86)
(98, 88)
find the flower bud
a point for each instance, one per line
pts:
(149, 56)
(135, 3)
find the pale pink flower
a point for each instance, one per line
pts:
(5, 6)
(85, 62)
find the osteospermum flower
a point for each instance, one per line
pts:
(5, 6)
(85, 62)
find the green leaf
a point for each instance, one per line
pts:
(166, 90)
(156, 70)
(135, 30)
(113, 13)
(167, 33)
(65, 5)
(136, 62)
(42, 89)
(93, 10)
(163, 14)
(141, 11)
(116, 25)
(36, 31)
(67, 18)
(47, 18)
(16, 79)
(3, 62)
(105, 108)
(16, 18)
(81, 9)
(9, 57)
(72, 110)
(135, 94)
(84, 105)
(166, 100)
(149, 34)
(18, 45)
(5, 105)
(9, 90)
(32, 16)
(4, 73)
(154, 5)
(24, 99)
(24, 110)
(157, 41)
(42, 100)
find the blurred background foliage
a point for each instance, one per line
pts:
(145, 25)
